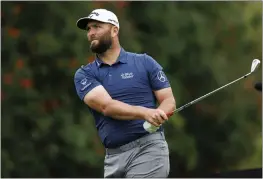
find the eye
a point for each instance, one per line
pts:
(88, 28)
(97, 26)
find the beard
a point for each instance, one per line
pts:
(101, 45)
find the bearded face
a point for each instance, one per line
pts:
(102, 43)
(99, 35)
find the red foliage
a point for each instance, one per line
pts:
(8, 79)
(2, 96)
(49, 105)
(26, 83)
(121, 4)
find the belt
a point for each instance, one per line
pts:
(136, 143)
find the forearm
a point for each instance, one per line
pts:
(123, 111)
(168, 105)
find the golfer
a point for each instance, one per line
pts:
(122, 90)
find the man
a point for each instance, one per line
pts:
(121, 90)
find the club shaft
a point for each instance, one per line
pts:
(208, 94)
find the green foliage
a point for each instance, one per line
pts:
(48, 132)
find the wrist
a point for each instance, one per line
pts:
(140, 112)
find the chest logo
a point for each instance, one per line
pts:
(126, 75)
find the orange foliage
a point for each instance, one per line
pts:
(73, 63)
(91, 59)
(98, 4)
(19, 63)
(248, 84)
(13, 32)
(17, 9)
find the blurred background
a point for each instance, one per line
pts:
(48, 132)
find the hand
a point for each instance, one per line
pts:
(155, 116)
(170, 114)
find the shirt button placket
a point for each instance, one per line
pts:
(110, 76)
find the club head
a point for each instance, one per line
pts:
(255, 65)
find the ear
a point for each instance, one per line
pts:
(114, 31)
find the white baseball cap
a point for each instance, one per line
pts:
(101, 15)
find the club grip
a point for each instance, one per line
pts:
(151, 128)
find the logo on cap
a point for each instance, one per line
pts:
(111, 20)
(93, 13)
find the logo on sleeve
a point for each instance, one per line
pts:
(161, 76)
(84, 84)
(84, 81)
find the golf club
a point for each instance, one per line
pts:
(151, 128)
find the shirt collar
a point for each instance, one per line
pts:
(121, 59)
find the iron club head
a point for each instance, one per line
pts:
(255, 64)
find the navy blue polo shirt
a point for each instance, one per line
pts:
(132, 80)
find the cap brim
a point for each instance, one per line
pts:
(82, 23)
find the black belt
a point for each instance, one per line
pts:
(136, 143)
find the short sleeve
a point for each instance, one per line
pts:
(84, 81)
(157, 77)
